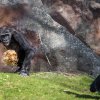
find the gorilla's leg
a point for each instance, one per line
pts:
(27, 63)
(19, 64)
(21, 56)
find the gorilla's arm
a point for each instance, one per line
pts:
(29, 51)
(22, 41)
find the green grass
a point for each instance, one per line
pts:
(46, 86)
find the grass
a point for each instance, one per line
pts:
(46, 86)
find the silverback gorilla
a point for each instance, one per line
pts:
(14, 40)
(95, 86)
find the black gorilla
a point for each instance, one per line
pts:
(95, 86)
(14, 40)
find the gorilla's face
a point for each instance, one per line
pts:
(5, 35)
(5, 38)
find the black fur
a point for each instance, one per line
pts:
(18, 42)
(95, 86)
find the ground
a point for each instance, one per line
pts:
(46, 86)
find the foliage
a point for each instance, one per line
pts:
(10, 58)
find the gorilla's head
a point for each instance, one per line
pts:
(5, 36)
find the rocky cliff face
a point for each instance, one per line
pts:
(81, 16)
(59, 45)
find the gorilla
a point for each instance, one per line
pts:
(13, 39)
(95, 86)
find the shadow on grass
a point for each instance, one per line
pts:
(86, 96)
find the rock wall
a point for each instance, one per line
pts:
(62, 50)
(82, 16)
